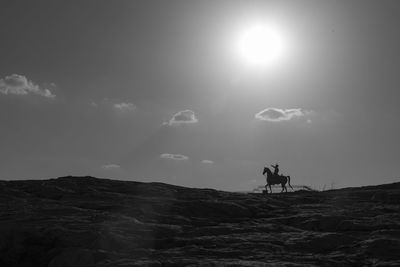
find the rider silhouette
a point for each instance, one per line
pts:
(276, 169)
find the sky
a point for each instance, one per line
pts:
(157, 91)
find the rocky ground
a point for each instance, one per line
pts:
(85, 221)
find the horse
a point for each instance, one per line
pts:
(276, 179)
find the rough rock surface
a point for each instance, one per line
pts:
(85, 221)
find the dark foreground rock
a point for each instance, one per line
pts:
(84, 221)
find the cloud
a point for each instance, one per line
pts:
(93, 104)
(124, 106)
(110, 167)
(183, 117)
(206, 161)
(174, 156)
(20, 85)
(276, 114)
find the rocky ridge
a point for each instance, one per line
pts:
(86, 221)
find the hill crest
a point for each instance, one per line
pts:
(87, 221)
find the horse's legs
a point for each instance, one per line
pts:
(283, 188)
(270, 188)
(266, 188)
(284, 184)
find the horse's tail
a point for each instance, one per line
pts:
(288, 177)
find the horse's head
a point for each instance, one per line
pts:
(267, 170)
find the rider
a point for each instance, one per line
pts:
(276, 169)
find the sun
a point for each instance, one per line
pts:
(260, 44)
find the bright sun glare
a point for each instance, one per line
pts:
(260, 44)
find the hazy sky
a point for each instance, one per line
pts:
(155, 91)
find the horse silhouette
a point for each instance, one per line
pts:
(276, 179)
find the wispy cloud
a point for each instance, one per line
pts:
(174, 156)
(206, 161)
(124, 106)
(183, 117)
(109, 167)
(119, 106)
(93, 104)
(20, 85)
(276, 114)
